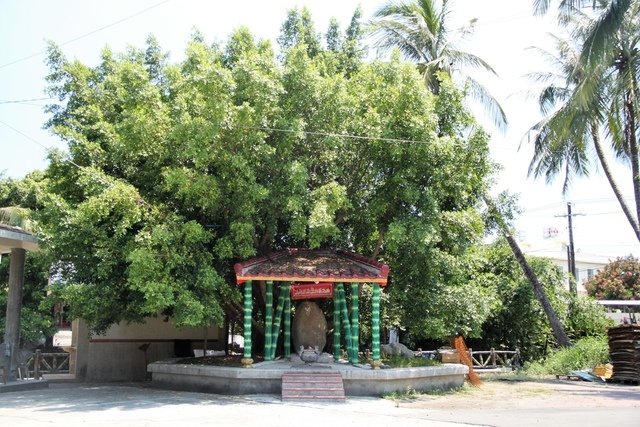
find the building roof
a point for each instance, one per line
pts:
(557, 250)
(303, 265)
(617, 302)
(15, 237)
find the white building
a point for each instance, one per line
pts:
(587, 265)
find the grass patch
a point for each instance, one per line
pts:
(406, 362)
(514, 376)
(408, 394)
(411, 394)
(584, 354)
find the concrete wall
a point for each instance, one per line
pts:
(266, 378)
(124, 351)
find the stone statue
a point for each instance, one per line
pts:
(309, 329)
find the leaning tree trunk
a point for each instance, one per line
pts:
(614, 186)
(632, 145)
(558, 330)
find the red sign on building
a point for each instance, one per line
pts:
(314, 290)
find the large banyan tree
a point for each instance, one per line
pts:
(177, 170)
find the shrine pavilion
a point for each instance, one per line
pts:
(307, 274)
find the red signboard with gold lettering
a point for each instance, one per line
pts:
(314, 290)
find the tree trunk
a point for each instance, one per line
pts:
(632, 144)
(614, 186)
(558, 330)
(378, 248)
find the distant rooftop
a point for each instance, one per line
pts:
(619, 302)
(557, 250)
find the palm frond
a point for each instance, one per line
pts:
(541, 7)
(597, 47)
(392, 34)
(550, 96)
(491, 106)
(470, 60)
(544, 78)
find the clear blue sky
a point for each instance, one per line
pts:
(504, 29)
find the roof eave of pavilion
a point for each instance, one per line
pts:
(16, 238)
(379, 272)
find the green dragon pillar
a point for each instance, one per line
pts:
(375, 327)
(355, 316)
(286, 290)
(336, 326)
(268, 320)
(247, 361)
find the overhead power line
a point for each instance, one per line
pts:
(82, 168)
(119, 21)
(335, 135)
(22, 101)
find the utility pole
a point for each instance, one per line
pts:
(571, 252)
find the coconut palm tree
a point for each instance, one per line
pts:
(624, 94)
(598, 42)
(591, 100)
(419, 29)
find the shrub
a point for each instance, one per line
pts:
(620, 279)
(584, 354)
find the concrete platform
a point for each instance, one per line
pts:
(23, 385)
(266, 377)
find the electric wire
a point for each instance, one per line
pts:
(119, 21)
(81, 168)
(22, 101)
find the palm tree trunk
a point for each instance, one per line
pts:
(614, 186)
(558, 330)
(559, 333)
(632, 144)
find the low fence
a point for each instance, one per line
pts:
(47, 363)
(485, 358)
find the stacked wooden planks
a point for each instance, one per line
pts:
(624, 352)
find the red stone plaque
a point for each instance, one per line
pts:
(310, 291)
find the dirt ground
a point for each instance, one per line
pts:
(543, 393)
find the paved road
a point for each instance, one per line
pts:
(137, 405)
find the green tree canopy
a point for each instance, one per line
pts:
(19, 199)
(518, 319)
(175, 171)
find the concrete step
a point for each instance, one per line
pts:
(324, 386)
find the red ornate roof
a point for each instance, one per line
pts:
(303, 265)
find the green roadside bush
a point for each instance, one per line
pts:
(584, 354)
